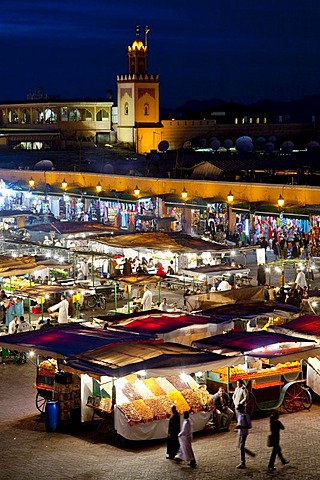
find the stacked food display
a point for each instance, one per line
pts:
(233, 374)
(151, 399)
(144, 405)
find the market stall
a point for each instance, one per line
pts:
(211, 273)
(271, 366)
(150, 377)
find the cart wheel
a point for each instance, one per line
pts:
(92, 301)
(307, 400)
(250, 404)
(294, 398)
(40, 403)
(103, 303)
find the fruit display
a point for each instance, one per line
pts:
(157, 395)
(131, 413)
(235, 373)
(160, 407)
(176, 381)
(143, 390)
(193, 399)
(130, 392)
(179, 401)
(155, 388)
(143, 410)
(48, 368)
(17, 283)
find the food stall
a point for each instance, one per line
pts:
(142, 380)
(271, 367)
(132, 379)
(308, 327)
(178, 327)
(209, 274)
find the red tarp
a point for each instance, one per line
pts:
(307, 324)
(160, 323)
(245, 341)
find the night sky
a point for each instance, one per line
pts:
(228, 49)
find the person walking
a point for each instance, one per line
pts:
(243, 426)
(173, 432)
(185, 452)
(275, 426)
(240, 396)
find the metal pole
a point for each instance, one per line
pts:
(115, 297)
(159, 292)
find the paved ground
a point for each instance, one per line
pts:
(28, 452)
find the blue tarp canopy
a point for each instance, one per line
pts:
(245, 341)
(67, 340)
(249, 310)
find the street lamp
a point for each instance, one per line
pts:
(64, 184)
(99, 187)
(230, 197)
(229, 200)
(184, 196)
(280, 201)
(136, 191)
(31, 182)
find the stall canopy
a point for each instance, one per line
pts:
(245, 341)
(14, 266)
(161, 323)
(138, 279)
(175, 242)
(154, 357)
(251, 310)
(66, 341)
(241, 296)
(67, 228)
(304, 325)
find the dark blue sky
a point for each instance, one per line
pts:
(229, 49)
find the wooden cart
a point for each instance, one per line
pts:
(268, 389)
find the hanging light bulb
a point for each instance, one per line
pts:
(64, 184)
(31, 183)
(99, 187)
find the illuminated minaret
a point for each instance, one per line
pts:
(138, 94)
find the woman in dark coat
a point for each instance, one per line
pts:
(173, 444)
(275, 426)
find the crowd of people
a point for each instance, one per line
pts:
(179, 439)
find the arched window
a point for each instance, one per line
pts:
(146, 109)
(74, 115)
(87, 115)
(126, 108)
(13, 116)
(25, 116)
(102, 115)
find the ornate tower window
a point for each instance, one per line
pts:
(126, 108)
(146, 109)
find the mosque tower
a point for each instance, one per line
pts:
(138, 96)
